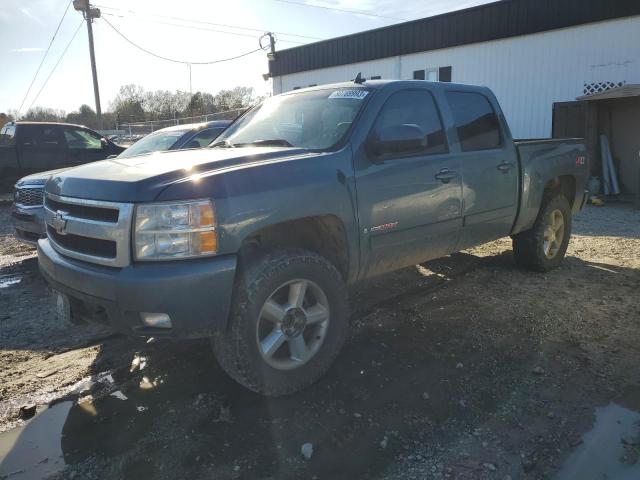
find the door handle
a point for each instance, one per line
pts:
(505, 167)
(445, 175)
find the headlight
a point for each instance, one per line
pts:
(165, 231)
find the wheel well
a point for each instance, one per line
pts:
(565, 184)
(324, 235)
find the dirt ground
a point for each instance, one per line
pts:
(461, 368)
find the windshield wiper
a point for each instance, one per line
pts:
(271, 142)
(222, 144)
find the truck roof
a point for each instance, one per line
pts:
(28, 122)
(379, 84)
(196, 126)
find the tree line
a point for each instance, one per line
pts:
(134, 104)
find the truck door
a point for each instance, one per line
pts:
(40, 147)
(83, 146)
(409, 204)
(489, 169)
(9, 167)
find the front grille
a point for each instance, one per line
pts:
(84, 211)
(90, 230)
(85, 245)
(29, 196)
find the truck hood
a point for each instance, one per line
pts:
(142, 178)
(39, 178)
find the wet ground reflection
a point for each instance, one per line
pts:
(193, 421)
(35, 451)
(612, 448)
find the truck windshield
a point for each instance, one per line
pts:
(315, 120)
(153, 142)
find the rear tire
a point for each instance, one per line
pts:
(288, 322)
(543, 247)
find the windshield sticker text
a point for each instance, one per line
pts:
(356, 94)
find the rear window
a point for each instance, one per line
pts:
(7, 135)
(42, 136)
(476, 121)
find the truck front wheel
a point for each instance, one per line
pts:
(543, 247)
(288, 322)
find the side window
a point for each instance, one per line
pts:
(40, 136)
(7, 135)
(415, 107)
(51, 137)
(204, 138)
(81, 139)
(476, 122)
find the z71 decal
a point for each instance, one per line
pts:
(385, 226)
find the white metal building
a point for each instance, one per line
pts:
(532, 53)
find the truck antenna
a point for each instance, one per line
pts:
(359, 80)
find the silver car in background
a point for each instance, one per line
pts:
(27, 211)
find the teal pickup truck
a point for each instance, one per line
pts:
(251, 242)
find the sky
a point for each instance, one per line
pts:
(181, 30)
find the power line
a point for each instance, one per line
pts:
(44, 57)
(56, 65)
(173, 59)
(357, 12)
(199, 28)
(239, 27)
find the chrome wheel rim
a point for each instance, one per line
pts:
(292, 324)
(553, 234)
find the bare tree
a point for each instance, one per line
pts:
(43, 114)
(4, 118)
(84, 116)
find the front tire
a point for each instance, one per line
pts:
(543, 247)
(288, 322)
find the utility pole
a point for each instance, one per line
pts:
(89, 14)
(271, 54)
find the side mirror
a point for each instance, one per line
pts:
(105, 142)
(403, 138)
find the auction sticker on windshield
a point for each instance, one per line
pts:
(356, 94)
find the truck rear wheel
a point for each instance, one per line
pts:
(543, 247)
(288, 322)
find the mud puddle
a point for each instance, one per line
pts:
(611, 450)
(35, 450)
(189, 420)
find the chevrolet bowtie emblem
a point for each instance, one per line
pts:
(59, 222)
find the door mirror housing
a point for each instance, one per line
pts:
(395, 139)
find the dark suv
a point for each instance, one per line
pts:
(31, 147)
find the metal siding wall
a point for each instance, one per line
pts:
(509, 18)
(528, 74)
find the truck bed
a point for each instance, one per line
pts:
(541, 159)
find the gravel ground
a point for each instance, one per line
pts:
(464, 368)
